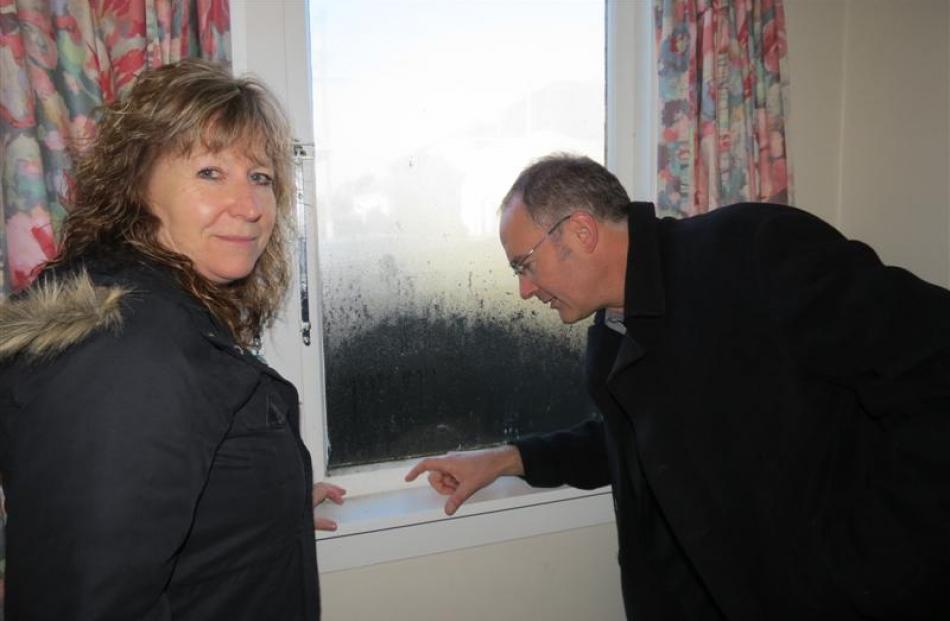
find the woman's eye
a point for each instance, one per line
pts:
(209, 173)
(262, 178)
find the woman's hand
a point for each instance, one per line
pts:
(322, 491)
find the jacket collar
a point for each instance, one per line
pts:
(67, 304)
(644, 293)
(162, 281)
(55, 314)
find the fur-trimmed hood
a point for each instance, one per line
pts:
(55, 314)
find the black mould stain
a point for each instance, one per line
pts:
(422, 384)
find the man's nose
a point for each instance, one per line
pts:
(526, 288)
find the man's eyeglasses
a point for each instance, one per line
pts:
(519, 266)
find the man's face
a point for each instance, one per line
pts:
(555, 272)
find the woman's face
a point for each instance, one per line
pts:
(218, 209)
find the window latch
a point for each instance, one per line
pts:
(302, 152)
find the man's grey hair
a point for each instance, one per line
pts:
(560, 183)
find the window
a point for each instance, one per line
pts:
(425, 111)
(384, 519)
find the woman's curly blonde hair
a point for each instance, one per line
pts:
(170, 111)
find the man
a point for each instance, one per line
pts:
(775, 404)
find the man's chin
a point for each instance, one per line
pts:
(572, 315)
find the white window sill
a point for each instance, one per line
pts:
(394, 525)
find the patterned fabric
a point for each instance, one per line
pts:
(59, 60)
(723, 90)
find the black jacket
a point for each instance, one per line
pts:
(152, 468)
(776, 424)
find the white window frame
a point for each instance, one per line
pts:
(385, 518)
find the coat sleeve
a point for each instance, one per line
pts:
(575, 456)
(109, 460)
(883, 335)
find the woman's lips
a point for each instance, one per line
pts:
(238, 239)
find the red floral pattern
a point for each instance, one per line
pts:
(58, 62)
(723, 101)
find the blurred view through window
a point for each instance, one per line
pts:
(425, 112)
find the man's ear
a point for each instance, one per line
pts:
(586, 230)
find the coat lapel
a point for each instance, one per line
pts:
(629, 353)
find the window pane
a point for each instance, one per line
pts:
(425, 111)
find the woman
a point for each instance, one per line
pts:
(152, 464)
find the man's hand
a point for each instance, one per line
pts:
(459, 475)
(322, 491)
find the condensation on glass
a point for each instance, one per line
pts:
(425, 112)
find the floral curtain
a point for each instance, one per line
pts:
(723, 90)
(59, 60)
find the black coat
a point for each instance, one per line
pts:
(153, 469)
(776, 424)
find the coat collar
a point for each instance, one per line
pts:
(55, 314)
(67, 304)
(644, 293)
(162, 281)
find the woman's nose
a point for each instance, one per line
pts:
(246, 202)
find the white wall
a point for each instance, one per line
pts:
(869, 148)
(869, 134)
(569, 576)
(815, 55)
